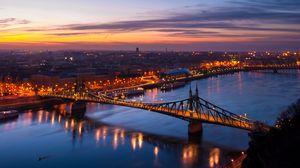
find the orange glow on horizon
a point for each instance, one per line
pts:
(23, 38)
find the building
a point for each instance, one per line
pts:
(176, 74)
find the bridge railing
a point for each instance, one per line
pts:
(220, 110)
(200, 107)
(208, 105)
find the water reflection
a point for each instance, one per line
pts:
(156, 151)
(214, 157)
(116, 139)
(122, 136)
(190, 154)
(101, 133)
(53, 118)
(66, 125)
(83, 127)
(59, 118)
(40, 116)
(152, 94)
(98, 140)
(140, 140)
(78, 128)
(133, 142)
(104, 134)
(240, 82)
(72, 123)
(27, 118)
(98, 135)
(9, 126)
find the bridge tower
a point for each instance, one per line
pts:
(195, 127)
(190, 102)
(36, 90)
(190, 92)
(197, 99)
(78, 109)
(197, 92)
(79, 86)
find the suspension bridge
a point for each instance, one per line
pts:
(194, 109)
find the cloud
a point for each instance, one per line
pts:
(281, 5)
(7, 20)
(263, 21)
(68, 34)
(24, 21)
(12, 21)
(236, 16)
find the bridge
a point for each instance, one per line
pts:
(193, 109)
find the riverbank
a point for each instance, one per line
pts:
(49, 127)
(195, 77)
(23, 103)
(14, 102)
(217, 72)
(279, 147)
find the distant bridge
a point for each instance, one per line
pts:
(274, 68)
(193, 109)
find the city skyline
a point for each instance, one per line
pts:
(177, 25)
(149, 84)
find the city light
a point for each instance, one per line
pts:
(157, 83)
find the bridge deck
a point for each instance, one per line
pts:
(183, 114)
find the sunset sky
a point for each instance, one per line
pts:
(151, 24)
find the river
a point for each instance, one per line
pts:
(114, 136)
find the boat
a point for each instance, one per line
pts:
(135, 91)
(4, 115)
(169, 86)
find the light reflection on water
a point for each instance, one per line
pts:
(113, 136)
(190, 154)
(214, 157)
(104, 135)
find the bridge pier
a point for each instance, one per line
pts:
(195, 131)
(78, 109)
